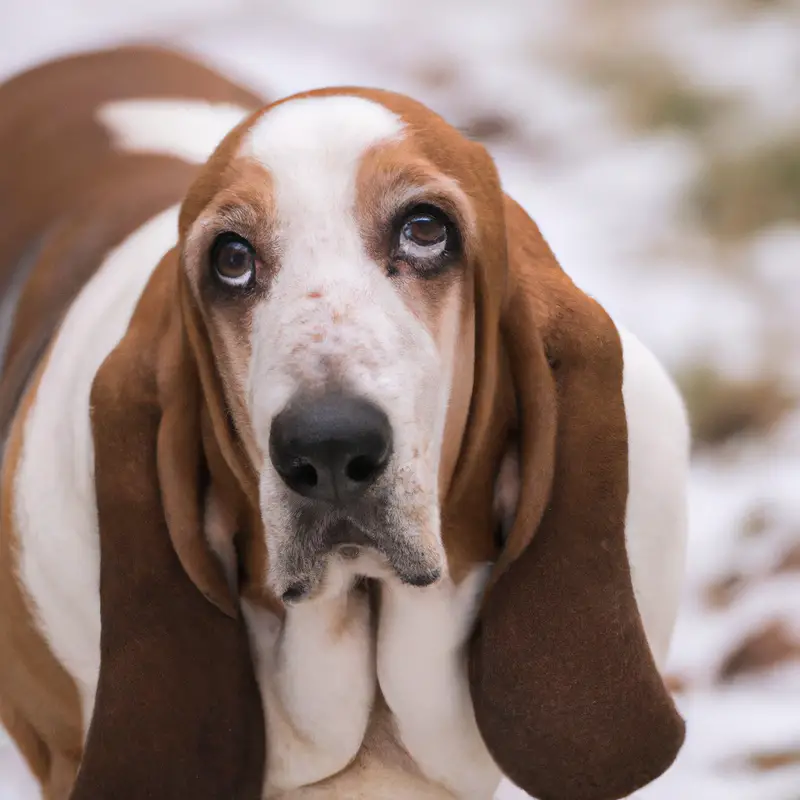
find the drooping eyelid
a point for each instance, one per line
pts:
(417, 211)
(448, 197)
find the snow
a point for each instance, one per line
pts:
(612, 203)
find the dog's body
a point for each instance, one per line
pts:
(365, 692)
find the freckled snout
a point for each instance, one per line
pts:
(331, 447)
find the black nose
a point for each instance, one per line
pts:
(330, 448)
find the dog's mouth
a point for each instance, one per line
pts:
(374, 543)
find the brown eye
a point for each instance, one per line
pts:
(425, 231)
(427, 240)
(233, 261)
(423, 236)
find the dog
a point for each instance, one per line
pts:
(321, 479)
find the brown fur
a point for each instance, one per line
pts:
(178, 710)
(566, 692)
(39, 703)
(76, 198)
(243, 207)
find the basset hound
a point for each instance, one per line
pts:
(321, 479)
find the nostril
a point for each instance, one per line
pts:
(361, 468)
(302, 475)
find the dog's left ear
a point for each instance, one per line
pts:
(567, 695)
(177, 712)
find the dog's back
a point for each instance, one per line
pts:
(71, 195)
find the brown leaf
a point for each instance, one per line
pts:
(722, 592)
(772, 644)
(490, 127)
(790, 561)
(774, 759)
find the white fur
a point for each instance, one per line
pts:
(55, 509)
(510, 791)
(317, 680)
(658, 474)
(333, 314)
(422, 672)
(187, 129)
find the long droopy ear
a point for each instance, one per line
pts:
(566, 692)
(177, 712)
(182, 470)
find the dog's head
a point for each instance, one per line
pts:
(330, 253)
(365, 319)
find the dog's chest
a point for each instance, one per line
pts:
(382, 769)
(374, 703)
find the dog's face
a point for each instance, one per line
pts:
(333, 266)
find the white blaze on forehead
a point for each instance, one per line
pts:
(330, 306)
(332, 317)
(312, 148)
(331, 133)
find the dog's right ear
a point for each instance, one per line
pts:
(567, 694)
(178, 711)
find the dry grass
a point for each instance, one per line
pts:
(721, 409)
(739, 194)
(763, 5)
(650, 95)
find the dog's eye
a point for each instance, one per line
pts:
(426, 235)
(233, 260)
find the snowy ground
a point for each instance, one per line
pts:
(657, 143)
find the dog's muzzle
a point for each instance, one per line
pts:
(333, 451)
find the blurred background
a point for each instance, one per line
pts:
(657, 144)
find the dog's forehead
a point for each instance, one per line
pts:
(312, 149)
(325, 135)
(327, 132)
